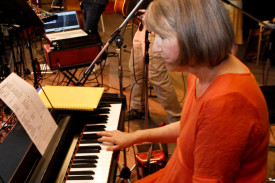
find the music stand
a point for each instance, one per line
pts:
(19, 14)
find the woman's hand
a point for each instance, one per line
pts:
(120, 140)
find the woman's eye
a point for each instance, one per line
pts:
(162, 37)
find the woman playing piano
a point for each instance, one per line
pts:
(223, 132)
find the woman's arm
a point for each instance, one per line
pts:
(121, 140)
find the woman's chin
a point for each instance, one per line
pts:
(174, 67)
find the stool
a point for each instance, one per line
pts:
(150, 157)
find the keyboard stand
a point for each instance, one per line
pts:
(70, 74)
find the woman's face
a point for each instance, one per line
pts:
(167, 45)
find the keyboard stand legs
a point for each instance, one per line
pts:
(72, 79)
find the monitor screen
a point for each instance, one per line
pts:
(65, 21)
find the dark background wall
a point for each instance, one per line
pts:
(261, 9)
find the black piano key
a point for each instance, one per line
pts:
(89, 149)
(100, 111)
(91, 157)
(94, 128)
(80, 177)
(103, 105)
(85, 161)
(91, 136)
(81, 173)
(96, 112)
(89, 141)
(84, 165)
(103, 110)
(97, 119)
(89, 121)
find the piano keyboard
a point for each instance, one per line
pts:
(91, 162)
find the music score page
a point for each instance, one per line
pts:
(24, 101)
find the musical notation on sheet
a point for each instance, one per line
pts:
(31, 112)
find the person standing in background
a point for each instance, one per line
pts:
(158, 77)
(92, 10)
(236, 17)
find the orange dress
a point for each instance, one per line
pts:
(224, 135)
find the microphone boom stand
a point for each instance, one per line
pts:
(146, 72)
(248, 14)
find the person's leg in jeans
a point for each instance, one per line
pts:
(92, 13)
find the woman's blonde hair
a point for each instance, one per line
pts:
(203, 29)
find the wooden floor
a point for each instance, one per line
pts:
(111, 84)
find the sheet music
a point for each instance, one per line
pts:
(31, 112)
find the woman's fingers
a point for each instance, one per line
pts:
(119, 139)
(108, 136)
(113, 148)
(105, 133)
(106, 139)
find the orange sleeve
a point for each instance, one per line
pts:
(222, 136)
